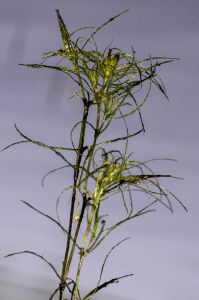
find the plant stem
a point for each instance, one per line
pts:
(75, 237)
(76, 173)
(77, 277)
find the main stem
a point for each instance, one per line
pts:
(83, 253)
(76, 173)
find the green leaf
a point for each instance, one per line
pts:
(64, 32)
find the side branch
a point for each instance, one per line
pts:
(118, 139)
(38, 256)
(105, 284)
(64, 230)
(42, 145)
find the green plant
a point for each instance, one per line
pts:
(106, 80)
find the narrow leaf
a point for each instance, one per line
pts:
(38, 256)
(64, 31)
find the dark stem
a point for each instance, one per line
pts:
(76, 174)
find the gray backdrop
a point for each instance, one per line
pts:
(163, 250)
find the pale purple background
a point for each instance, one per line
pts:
(163, 250)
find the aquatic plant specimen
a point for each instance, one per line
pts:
(107, 81)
